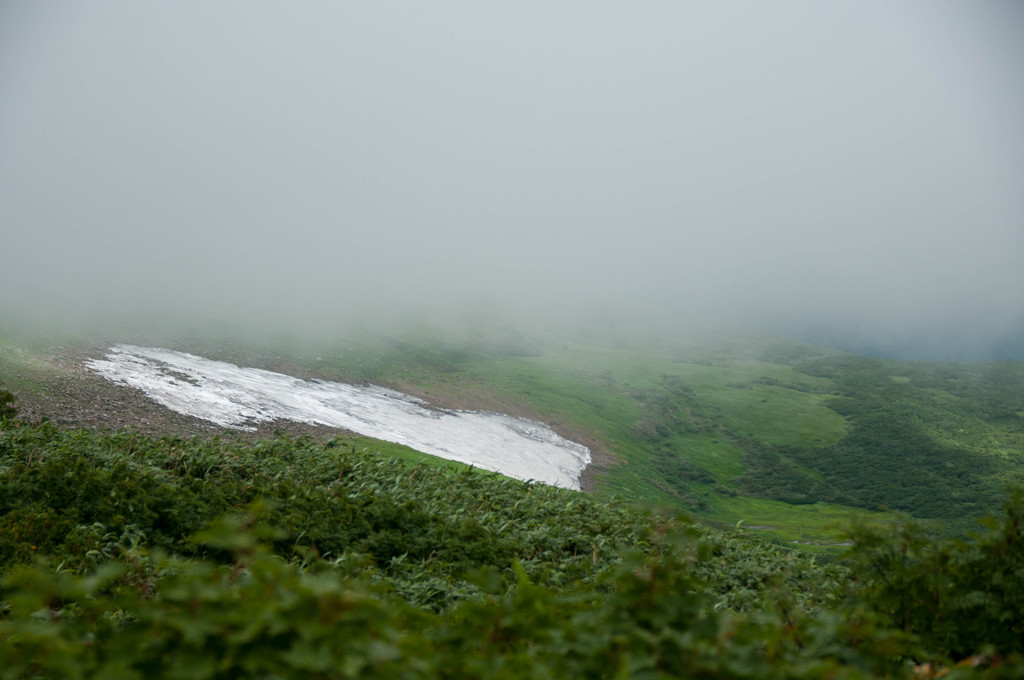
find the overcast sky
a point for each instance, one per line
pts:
(853, 166)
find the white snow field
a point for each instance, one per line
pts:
(236, 397)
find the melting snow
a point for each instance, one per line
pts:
(236, 397)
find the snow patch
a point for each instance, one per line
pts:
(236, 397)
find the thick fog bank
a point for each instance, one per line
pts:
(851, 171)
(966, 340)
(493, 330)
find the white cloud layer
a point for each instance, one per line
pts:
(856, 165)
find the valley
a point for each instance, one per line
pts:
(787, 440)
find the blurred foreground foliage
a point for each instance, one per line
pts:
(129, 557)
(8, 409)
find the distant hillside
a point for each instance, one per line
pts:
(742, 428)
(777, 435)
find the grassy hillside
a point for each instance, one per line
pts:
(128, 556)
(75, 496)
(782, 438)
(771, 433)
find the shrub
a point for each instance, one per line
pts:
(8, 407)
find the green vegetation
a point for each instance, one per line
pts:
(779, 435)
(7, 406)
(22, 366)
(768, 432)
(126, 556)
(942, 443)
(68, 494)
(72, 497)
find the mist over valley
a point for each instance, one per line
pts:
(848, 175)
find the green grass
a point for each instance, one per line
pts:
(592, 385)
(24, 366)
(816, 526)
(593, 390)
(726, 427)
(390, 450)
(714, 453)
(136, 557)
(742, 402)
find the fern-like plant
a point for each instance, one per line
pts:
(8, 408)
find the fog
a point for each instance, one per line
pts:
(849, 173)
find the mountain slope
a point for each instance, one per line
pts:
(129, 556)
(761, 431)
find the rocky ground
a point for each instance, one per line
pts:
(70, 394)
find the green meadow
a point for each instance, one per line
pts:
(766, 432)
(784, 439)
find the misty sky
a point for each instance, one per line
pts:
(852, 166)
